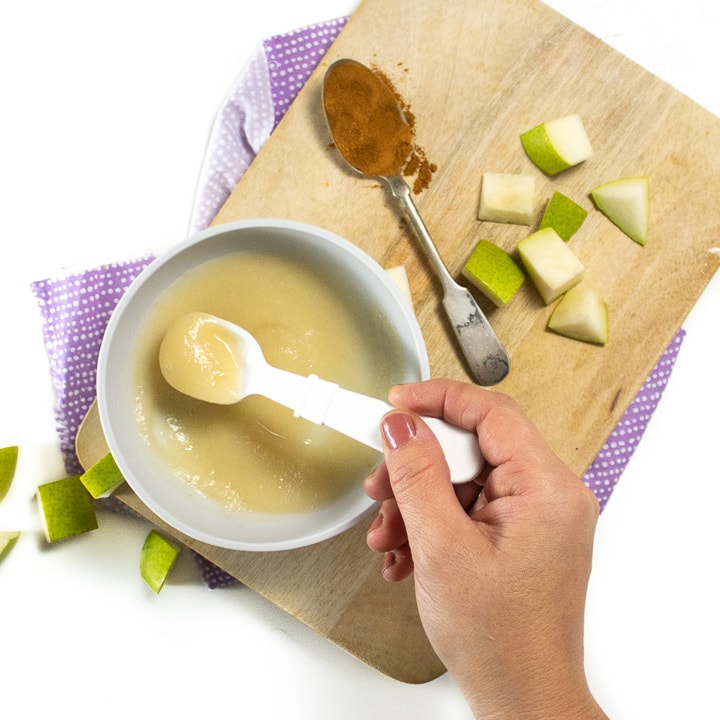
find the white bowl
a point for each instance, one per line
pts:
(151, 479)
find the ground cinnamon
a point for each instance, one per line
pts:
(372, 127)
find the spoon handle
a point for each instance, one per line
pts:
(358, 416)
(487, 358)
(483, 351)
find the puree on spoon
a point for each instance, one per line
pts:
(200, 358)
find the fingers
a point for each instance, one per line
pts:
(387, 535)
(377, 484)
(398, 564)
(387, 531)
(419, 477)
(505, 434)
(419, 502)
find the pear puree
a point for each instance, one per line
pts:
(200, 357)
(255, 455)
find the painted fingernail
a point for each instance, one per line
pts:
(398, 428)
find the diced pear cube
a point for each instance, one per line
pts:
(563, 215)
(557, 144)
(66, 508)
(552, 265)
(398, 275)
(493, 271)
(507, 198)
(8, 463)
(626, 202)
(103, 478)
(8, 538)
(157, 558)
(582, 315)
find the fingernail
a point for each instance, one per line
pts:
(376, 523)
(389, 561)
(398, 428)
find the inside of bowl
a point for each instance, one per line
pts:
(171, 499)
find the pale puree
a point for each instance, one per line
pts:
(255, 455)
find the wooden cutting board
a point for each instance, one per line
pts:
(476, 74)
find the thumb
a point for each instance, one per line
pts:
(419, 476)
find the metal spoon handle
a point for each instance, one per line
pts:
(483, 351)
(401, 190)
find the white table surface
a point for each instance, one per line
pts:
(106, 113)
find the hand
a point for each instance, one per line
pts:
(500, 574)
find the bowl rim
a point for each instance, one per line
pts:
(104, 386)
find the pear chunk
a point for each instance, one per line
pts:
(103, 478)
(626, 202)
(157, 558)
(552, 265)
(8, 538)
(582, 315)
(8, 463)
(398, 275)
(66, 508)
(557, 144)
(507, 198)
(563, 215)
(492, 271)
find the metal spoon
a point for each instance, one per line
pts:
(216, 361)
(487, 358)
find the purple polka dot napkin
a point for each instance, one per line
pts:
(75, 308)
(255, 105)
(605, 471)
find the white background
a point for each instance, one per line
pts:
(106, 110)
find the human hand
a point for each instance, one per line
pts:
(500, 575)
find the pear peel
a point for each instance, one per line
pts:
(493, 271)
(8, 464)
(66, 509)
(563, 215)
(157, 558)
(8, 538)
(557, 144)
(103, 478)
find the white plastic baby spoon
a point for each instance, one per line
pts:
(214, 360)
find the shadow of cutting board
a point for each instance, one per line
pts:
(476, 74)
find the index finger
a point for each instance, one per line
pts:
(504, 431)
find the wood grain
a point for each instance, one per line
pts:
(476, 74)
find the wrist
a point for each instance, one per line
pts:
(562, 708)
(561, 694)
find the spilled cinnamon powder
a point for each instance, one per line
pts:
(361, 105)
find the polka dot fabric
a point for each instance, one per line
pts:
(75, 311)
(292, 58)
(76, 308)
(244, 122)
(612, 459)
(255, 104)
